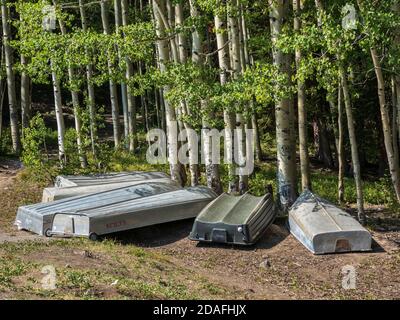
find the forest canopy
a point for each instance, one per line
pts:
(314, 80)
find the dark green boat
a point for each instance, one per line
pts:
(234, 219)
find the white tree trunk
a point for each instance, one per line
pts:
(90, 87)
(59, 116)
(113, 86)
(287, 186)
(171, 123)
(131, 99)
(76, 106)
(12, 98)
(229, 117)
(353, 145)
(302, 112)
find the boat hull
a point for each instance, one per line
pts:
(116, 210)
(239, 220)
(323, 228)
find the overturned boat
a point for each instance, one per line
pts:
(70, 186)
(107, 178)
(324, 228)
(116, 210)
(234, 219)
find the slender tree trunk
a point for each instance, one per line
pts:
(229, 117)
(353, 146)
(184, 107)
(25, 94)
(395, 140)
(235, 53)
(302, 112)
(131, 99)
(171, 123)
(59, 116)
(387, 132)
(340, 149)
(3, 87)
(124, 92)
(287, 186)
(90, 87)
(12, 98)
(76, 106)
(113, 86)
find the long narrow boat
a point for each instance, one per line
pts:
(234, 219)
(107, 178)
(70, 186)
(116, 210)
(324, 228)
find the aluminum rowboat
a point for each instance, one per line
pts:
(107, 178)
(324, 228)
(234, 219)
(53, 194)
(116, 210)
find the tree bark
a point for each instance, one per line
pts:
(387, 132)
(132, 130)
(302, 112)
(229, 117)
(176, 168)
(124, 91)
(287, 186)
(90, 87)
(113, 86)
(12, 98)
(25, 95)
(236, 53)
(59, 116)
(76, 105)
(340, 149)
(353, 145)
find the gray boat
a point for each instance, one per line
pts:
(234, 219)
(70, 186)
(107, 178)
(116, 210)
(324, 228)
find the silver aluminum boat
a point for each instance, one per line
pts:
(324, 228)
(70, 186)
(116, 210)
(107, 178)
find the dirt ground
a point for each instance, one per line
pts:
(278, 267)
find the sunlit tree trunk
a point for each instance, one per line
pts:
(340, 149)
(235, 54)
(353, 145)
(3, 86)
(25, 94)
(287, 186)
(113, 86)
(131, 99)
(302, 112)
(229, 116)
(387, 132)
(385, 118)
(176, 168)
(75, 104)
(59, 115)
(90, 87)
(395, 137)
(124, 92)
(12, 98)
